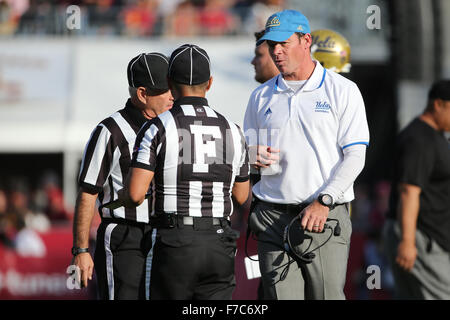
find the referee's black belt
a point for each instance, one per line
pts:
(128, 222)
(190, 221)
(172, 220)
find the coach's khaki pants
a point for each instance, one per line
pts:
(324, 278)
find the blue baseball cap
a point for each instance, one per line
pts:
(281, 25)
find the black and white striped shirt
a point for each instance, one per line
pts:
(106, 162)
(197, 155)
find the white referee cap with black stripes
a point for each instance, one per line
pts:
(148, 70)
(189, 64)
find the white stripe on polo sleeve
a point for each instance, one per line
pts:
(353, 128)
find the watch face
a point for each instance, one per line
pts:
(327, 200)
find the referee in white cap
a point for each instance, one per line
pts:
(124, 235)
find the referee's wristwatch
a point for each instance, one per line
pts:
(77, 250)
(326, 200)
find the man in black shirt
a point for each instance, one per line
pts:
(417, 234)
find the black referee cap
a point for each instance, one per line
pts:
(148, 70)
(440, 90)
(189, 64)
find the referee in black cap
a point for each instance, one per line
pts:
(198, 159)
(124, 235)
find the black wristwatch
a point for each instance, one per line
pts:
(326, 200)
(77, 250)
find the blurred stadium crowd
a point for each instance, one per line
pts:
(137, 18)
(26, 209)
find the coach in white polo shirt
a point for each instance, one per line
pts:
(309, 128)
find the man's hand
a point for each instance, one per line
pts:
(408, 212)
(124, 200)
(263, 156)
(314, 217)
(406, 255)
(84, 262)
(84, 211)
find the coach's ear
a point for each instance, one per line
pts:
(210, 81)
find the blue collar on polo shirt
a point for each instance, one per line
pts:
(314, 82)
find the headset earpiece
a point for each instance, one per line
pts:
(309, 256)
(337, 230)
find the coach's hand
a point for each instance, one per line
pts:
(84, 262)
(314, 217)
(406, 255)
(263, 156)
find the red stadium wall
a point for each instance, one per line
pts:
(40, 278)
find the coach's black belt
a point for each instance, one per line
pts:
(291, 207)
(284, 206)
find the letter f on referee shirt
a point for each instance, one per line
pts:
(203, 149)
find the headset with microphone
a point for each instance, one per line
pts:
(294, 255)
(307, 256)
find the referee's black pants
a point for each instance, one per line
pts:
(194, 262)
(122, 260)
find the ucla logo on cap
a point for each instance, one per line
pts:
(273, 22)
(281, 25)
